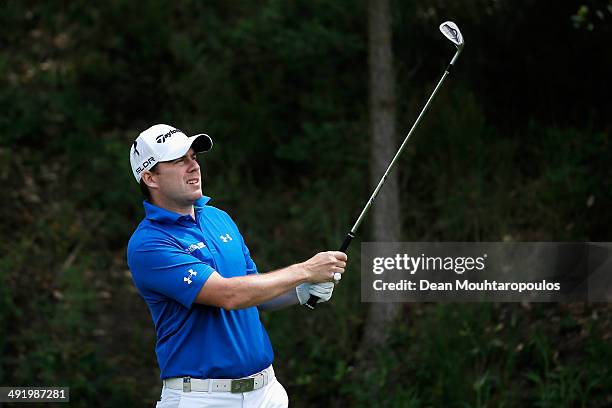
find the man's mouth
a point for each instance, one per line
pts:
(194, 181)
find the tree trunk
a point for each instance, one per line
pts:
(386, 209)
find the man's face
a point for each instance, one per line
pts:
(178, 181)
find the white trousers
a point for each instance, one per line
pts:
(273, 395)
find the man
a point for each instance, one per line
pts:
(192, 267)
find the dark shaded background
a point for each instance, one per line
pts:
(515, 147)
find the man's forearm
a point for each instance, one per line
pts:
(286, 299)
(252, 290)
(245, 291)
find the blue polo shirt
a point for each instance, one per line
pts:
(171, 256)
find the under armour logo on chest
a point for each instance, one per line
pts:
(225, 238)
(188, 278)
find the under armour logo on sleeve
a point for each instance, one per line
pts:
(188, 278)
(225, 238)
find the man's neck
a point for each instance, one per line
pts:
(175, 207)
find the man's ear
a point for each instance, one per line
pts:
(150, 179)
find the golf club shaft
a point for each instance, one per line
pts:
(312, 301)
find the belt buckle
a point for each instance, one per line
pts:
(243, 385)
(186, 384)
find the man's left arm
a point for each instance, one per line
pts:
(298, 295)
(287, 299)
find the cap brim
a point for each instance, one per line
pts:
(201, 143)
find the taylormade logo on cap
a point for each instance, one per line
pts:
(161, 143)
(162, 138)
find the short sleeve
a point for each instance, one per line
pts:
(251, 268)
(161, 269)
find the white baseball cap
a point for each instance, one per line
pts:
(161, 143)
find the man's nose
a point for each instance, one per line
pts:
(194, 165)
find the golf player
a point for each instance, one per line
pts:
(192, 267)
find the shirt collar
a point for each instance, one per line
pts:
(153, 212)
(201, 202)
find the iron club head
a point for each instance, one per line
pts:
(451, 31)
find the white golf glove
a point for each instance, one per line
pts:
(322, 290)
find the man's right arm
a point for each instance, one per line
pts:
(252, 290)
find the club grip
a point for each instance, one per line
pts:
(347, 242)
(312, 300)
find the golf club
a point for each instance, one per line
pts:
(450, 31)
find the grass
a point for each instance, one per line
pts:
(489, 355)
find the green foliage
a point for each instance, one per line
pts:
(481, 356)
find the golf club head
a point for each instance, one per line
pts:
(451, 31)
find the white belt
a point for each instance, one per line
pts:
(246, 384)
